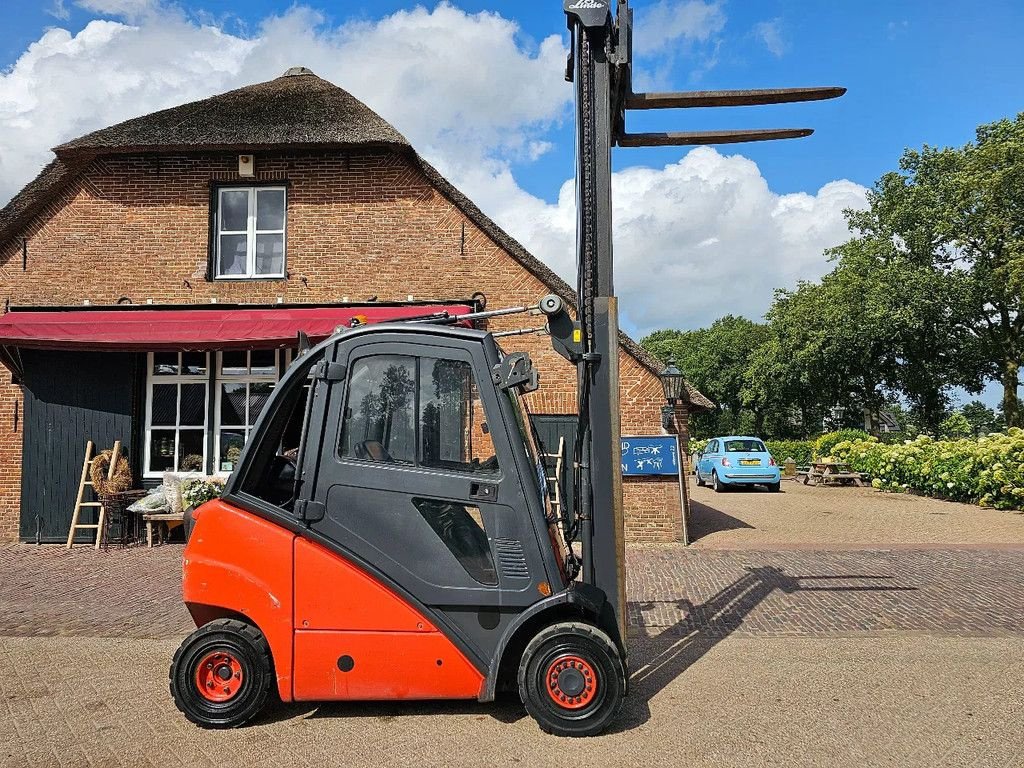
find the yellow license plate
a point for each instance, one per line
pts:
(750, 462)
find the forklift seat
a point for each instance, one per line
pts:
(372, 450)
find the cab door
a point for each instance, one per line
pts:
(412, 480)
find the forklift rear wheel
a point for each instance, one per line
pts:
(221, 674)
(572, 680)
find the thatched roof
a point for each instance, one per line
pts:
(297, 109)
(37, 193)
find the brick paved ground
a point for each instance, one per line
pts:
(815, 593)
(48, 590)
(895, 701)
(909, 652)
(825, 517)
(136, 592)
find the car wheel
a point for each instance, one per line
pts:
(572, 680)
(700, 480)
(717, 484)
(774, 487)
(221, 674)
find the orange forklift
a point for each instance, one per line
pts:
(387, 533)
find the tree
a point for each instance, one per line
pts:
(981, 418)
(955, 426)
(715, 360)
(959, 213)
(835, 336)
(916, 312)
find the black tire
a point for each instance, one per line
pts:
(774, 487)
(717, 484)
(700, 480)
(222, 647)
(583, 658)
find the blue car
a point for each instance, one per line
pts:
(737, 460)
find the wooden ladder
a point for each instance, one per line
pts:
(80, 503)
(556, 479)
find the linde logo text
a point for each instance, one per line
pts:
(584, 4)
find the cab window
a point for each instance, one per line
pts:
(380, 415)
(422, 411)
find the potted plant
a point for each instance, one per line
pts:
(196, 492)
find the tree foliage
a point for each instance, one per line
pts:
(924, 298)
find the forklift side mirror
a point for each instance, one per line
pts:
(516, 370)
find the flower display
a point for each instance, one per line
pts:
(988, 470)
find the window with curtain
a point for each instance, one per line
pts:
(250, 233)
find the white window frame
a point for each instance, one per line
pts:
(251, 232)
(177, 379)
(247, 378)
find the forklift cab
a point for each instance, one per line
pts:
(395, 483)
(413, 460)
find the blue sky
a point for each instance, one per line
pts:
(918, 72)
(477, 87)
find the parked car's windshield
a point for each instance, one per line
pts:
(744, 446)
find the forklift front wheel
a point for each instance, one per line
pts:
(571, 679)
(221, 674)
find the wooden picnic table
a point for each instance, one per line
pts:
(830, 473)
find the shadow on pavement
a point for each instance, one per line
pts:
(507, 709)
(659, 659)
(656, 660)
(705, 520)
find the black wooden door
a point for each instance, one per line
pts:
(70, 398)
(550, 428)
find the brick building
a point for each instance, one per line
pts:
(155, 274)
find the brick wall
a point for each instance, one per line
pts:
(12, 420)
(359, 225)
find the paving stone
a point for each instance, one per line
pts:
(136, 592)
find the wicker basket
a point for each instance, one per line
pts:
(115, 505)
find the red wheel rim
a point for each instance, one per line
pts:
(571, 682)
(219, 676)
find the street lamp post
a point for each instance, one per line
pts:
(674, 385)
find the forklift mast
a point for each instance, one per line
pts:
(600, 67)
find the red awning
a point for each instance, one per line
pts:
(194, 327)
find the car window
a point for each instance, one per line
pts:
(712, 446)
(744, 446)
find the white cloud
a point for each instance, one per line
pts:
(669, 31)
(770, 33)
(694, 239)
(410, 66)
(128, 8)
(668, 23)
(58, 10)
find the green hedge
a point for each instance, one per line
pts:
(801, 451)
(988, 471)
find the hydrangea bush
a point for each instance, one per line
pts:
(988, 471)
